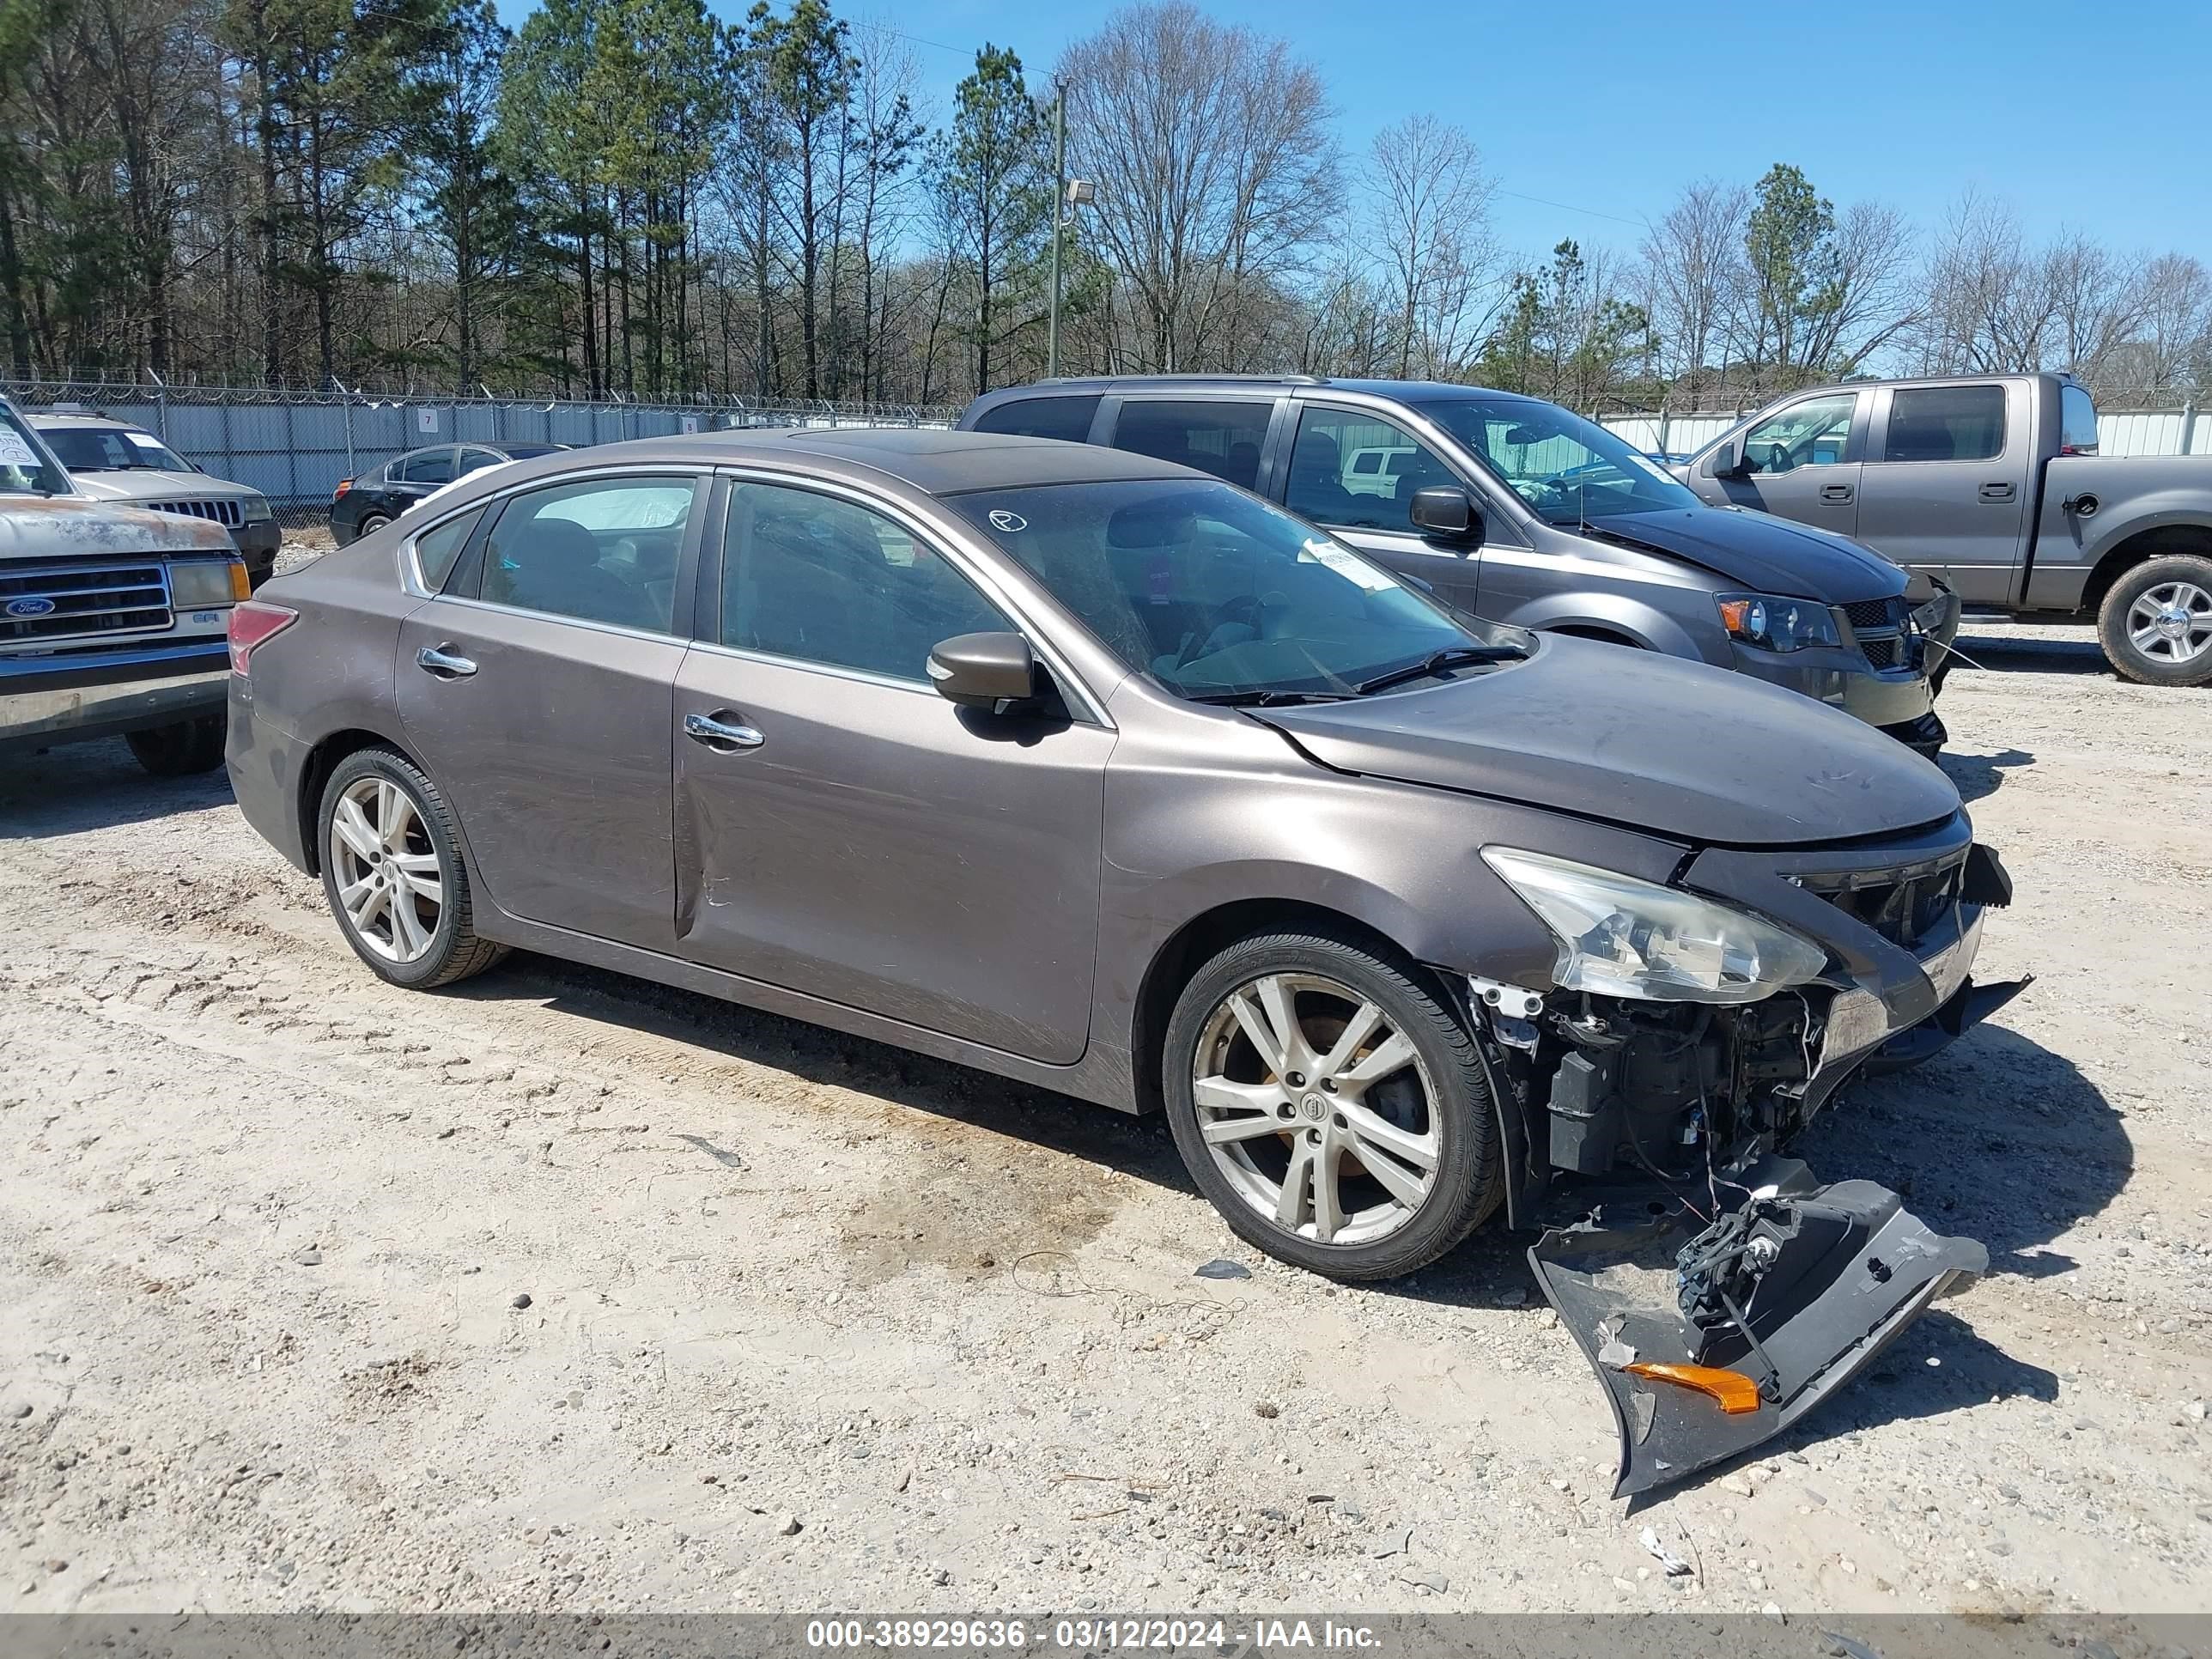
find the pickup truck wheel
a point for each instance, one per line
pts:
(1330, 1106)
(180, 750)
(394, 874)
(2156, 623)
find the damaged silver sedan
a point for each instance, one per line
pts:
(1093, 771)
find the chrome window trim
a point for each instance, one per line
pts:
(620, 630)
(836, 671)
(946, 538)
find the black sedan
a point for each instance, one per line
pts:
(380, 494)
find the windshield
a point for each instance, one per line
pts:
(24, 465)
(1216, 595)
(1567, 468)
(110, 449)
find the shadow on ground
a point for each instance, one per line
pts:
(2078, 654)
(896, 1077)
(92, 786)
(1979, 775)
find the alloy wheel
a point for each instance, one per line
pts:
(2172, 621)
(1317, 1108)
(389, 885)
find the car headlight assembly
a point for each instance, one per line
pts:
(1773, 622)
(202, 584)
(258, 510)
(1619, 936)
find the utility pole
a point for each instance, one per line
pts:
(1059, 215)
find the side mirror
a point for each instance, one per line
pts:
(982, 671)
(1728, 459)
(1443, 510)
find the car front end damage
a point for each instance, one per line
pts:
(1692, 1033)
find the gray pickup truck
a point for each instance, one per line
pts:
(113, 620)
(1993, 484)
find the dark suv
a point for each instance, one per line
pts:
(1521, 512)
(366, 503)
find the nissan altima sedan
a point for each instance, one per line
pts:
(1098, 773)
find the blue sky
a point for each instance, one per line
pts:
(2086, 114)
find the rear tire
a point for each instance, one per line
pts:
(2155, 624)
(1394, 1120)
(370, 526)
(394, 873)
(181, 749)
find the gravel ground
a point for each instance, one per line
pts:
(561, 1291)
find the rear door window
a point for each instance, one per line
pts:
(1065, 418)
(605, 550)
(1945, 424)
(1214, 435)
(431, 466)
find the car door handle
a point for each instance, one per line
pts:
(1996, 492)
(721, 730)
(440, 660)
(1835, 492)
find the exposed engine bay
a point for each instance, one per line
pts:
(1718, 1288)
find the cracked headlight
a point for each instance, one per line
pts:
(256, 509)
(1775, 623)
(1619, 936)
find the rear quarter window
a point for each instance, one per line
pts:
(1065, 418)
(2077, 422)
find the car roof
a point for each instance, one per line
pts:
(934, 460)
(1409, 391)
(55, 422)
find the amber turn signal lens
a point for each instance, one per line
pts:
(241, 584)
(1736, 1393)
(1735, 616)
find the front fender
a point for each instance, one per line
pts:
(1640, 623)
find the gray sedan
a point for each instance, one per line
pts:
(1098, 773)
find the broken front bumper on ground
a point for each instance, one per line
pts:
(1721, 1290)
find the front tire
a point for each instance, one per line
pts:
(181, 749)
(1331, 1106)
(2156, 623)
(394, 873)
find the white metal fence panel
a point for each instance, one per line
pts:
(2186, 431)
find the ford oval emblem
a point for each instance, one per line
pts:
(32, 607)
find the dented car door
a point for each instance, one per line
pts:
(843, 831)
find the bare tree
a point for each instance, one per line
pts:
(1430, 205)
(1216, 170)
(1693, 274)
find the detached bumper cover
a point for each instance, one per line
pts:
(1823, 1277)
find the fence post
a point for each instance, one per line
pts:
(2188, 426)
(1665, 448)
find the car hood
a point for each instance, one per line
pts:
(72, 526)
(1650, 742)
(1762, 553)
(144, 484)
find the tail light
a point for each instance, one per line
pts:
(344, 485)
(252, 623)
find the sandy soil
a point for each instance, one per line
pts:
(811, 1322)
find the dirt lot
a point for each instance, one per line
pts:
(811, 1322)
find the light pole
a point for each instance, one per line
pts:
(1059, 214)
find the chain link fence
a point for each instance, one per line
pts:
(295, 447)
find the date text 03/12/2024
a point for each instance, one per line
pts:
(1214, 1635)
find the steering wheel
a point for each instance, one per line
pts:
(1243, 608)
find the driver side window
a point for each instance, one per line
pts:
(1813, 432)
(1358, 470)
